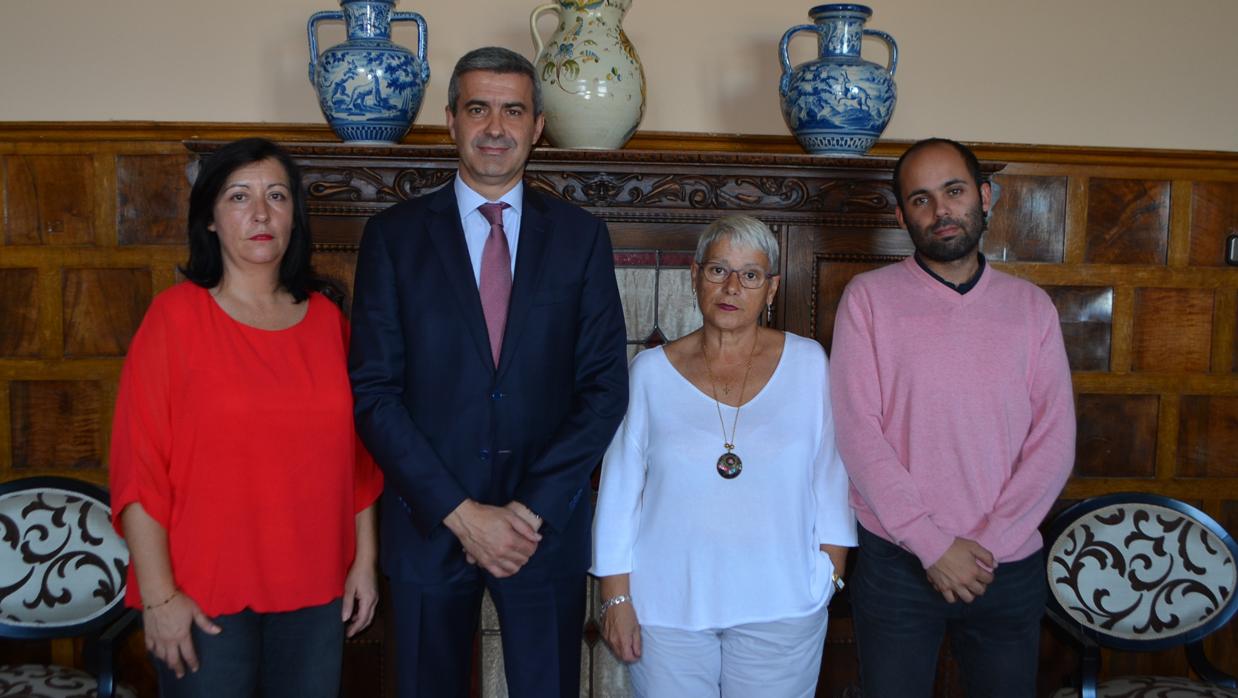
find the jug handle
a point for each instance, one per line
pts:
(784, 58)
(422, 37)
(893, 64)
(537, 38)
(310, 28)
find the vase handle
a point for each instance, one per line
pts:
(784, 58)
(422, 39)
(311, 29)
(893, 64)
(538, 46)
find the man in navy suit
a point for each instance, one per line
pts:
(487, 424)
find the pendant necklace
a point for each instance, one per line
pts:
(729, 464)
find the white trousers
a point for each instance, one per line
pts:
(778, 659)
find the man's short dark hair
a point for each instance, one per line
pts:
(969, 159)
(493, 59)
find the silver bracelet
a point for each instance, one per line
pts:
(612, 601)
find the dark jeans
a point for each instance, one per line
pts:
(295, 654)
(900, 621)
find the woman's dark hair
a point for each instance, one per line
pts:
(205, 266)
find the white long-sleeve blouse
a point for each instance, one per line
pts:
(707, 552)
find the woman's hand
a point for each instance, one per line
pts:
(360, 596)
(621, 631)
(361, 584)
(168, 632)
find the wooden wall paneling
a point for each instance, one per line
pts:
(1225, 331)
(1208, 436)
(1076, 220)
(1086, 316)
(1172, 330)
(1178, 251)
(152, 199)
(1117, 435)
(1028, 221)
(1128, 221)
(55, 425)
(50, 199)
(1214, 217)
(1168, 428)
(102, 309)
(19, 312)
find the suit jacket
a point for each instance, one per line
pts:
(443, 423)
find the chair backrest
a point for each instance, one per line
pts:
(62, 565)
(1140, 571)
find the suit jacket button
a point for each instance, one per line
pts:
(483, 454)
(496, 395)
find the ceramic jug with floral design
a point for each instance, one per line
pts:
(592, 82)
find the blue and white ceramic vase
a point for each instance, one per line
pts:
(368, 87)
(839, 103)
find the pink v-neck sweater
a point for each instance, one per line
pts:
(954, 413)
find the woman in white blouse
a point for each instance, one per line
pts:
(722, 521)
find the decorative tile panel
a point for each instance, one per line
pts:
(1208, 436)
(1028, 221)
(1128, 221)
(1117, 435)
(56, 424)
(19, 312)
(655, 288)
(1086, 314)
(1172, 330)
(152, 199)
(50, 199)
(102, 309)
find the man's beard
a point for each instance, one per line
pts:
(971, 226)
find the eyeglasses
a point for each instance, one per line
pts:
(716, 273)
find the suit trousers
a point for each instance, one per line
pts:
(541, 622)
(900, 620)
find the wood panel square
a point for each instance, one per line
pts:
(1214, 217)
(832, 278)
(1086, 315)
(102, 309)
(1128, 221)
(1208, 436)
(1028, 222)
(56, 424)
(50, 199)
(152, 199)
(19, 312)
(1172, 330)
(1117, 435)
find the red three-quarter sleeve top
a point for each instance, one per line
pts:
(240, 443)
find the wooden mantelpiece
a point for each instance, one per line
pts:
(1127, 242)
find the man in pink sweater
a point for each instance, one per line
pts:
(955, 420)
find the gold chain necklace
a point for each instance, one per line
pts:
(730, 465)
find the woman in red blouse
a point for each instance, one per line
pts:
(237, 478)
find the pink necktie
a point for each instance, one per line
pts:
(496, 277)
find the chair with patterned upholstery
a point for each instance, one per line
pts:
(62, 574)
(1142, 572)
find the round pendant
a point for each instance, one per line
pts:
(729, 466)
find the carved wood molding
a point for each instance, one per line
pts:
(626, 185)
